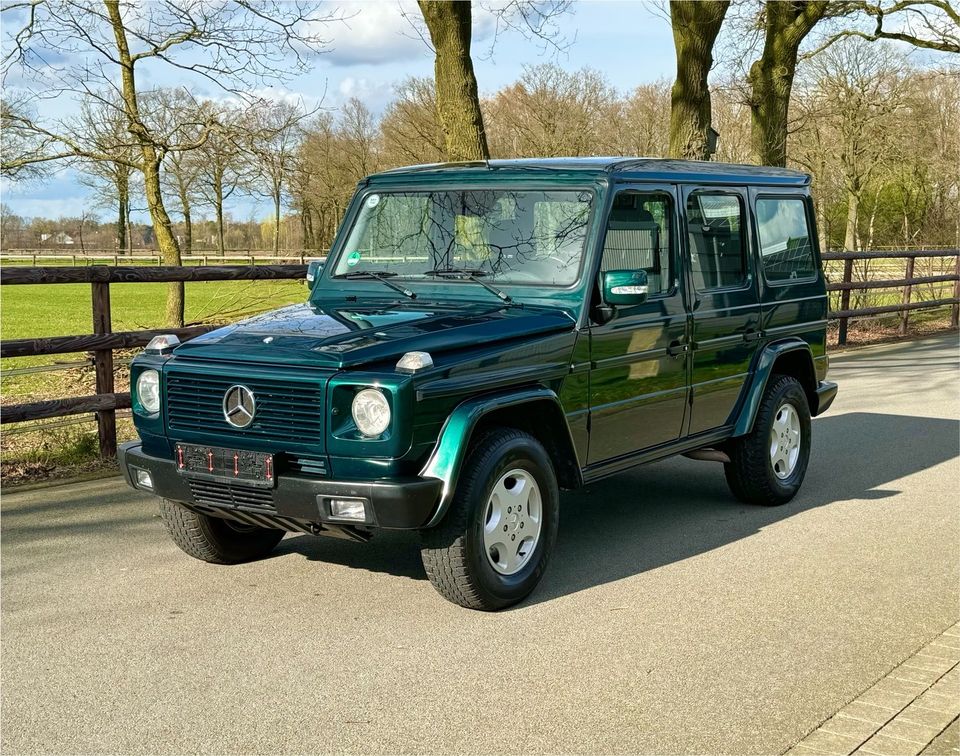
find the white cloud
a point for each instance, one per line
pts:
(374, 33)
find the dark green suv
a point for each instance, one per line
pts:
(484, 335)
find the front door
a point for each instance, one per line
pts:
(725, 305)
(638, 382)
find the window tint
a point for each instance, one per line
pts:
(784, 239)
(714, 223)
(638, 238)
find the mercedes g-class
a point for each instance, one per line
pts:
(484, 335)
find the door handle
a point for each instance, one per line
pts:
(677, 348)
(752, 335)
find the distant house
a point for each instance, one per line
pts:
(59, 239)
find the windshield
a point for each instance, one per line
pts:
(507, 236)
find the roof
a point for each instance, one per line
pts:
(649, 169)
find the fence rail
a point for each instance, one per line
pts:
(905, 306)
(103, 341)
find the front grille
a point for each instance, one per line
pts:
(288, 412)
(216, 494)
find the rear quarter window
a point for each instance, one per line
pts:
(786, 251)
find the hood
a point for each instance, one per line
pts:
(342, 335)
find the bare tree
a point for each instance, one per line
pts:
(231, 45)
(695, 29)
(103, 127)
(410, 128)
(220, 162)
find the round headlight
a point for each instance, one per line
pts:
(148, 391)
(371, 412)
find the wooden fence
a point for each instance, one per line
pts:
(905, 305)
(103, 341)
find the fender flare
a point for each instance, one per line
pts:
(448, 455)
(761, 375)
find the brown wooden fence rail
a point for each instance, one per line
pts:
(103, 341)
(905, 306)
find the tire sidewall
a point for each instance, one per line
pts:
(514, 453)
(788, 391)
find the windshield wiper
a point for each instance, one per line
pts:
(383, 276)
(470, 274)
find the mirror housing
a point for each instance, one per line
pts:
(314, 269)
(624, 287)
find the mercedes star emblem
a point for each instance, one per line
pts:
(239, 406)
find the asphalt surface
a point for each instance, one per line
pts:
(672, 618)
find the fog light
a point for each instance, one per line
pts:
(144, 478)
(349, 509)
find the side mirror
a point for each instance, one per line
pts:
(314, 269)
(624, 287)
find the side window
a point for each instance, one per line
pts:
(638, 238)
(784, 232)
(715, 227)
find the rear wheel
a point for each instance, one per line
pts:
(492, 547)
(214, 539)
(768, 465)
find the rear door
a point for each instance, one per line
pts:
(725, 306)
(638, 381)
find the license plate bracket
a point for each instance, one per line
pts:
(217, 463)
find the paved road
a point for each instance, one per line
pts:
(672, 619)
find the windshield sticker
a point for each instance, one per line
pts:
(373, 200)
(353, 258)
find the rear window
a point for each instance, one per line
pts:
(785, 247)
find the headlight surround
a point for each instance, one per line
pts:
(148, 391)
(371, 412)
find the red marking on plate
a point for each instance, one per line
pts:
(236, 464)
(210, 461)
(180, 457)
(269, 469)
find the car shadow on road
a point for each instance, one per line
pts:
(670, 511)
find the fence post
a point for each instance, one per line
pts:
(845, 301)
(955, 310)
(907, 292)
(103, 368)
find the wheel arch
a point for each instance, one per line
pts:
(791, 357)
(535, 410)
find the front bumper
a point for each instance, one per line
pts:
(396, 504)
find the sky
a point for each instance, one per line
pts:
(374, 48)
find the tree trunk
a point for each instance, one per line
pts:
(771, 76)
(162, 226)
(123, 204)
(458, 101)
(276, 224)
(851, 234)
(218, 209)
(695, 29)
(187, 220)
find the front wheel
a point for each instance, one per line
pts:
(767, 465)
(492, 547)
(214, 539)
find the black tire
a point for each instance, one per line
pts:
(454, 555)
(750, 472)
(214, 539)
